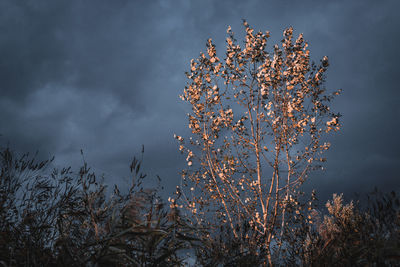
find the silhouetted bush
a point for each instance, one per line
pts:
(226, 250)
(58, 219)
(349, 235)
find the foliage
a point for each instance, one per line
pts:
(258, 121)
(349, 235)
(258, 124)
(225, 249)
(59, 219)
(343, 235)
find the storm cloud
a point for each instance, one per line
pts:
(104, 77)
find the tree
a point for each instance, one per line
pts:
(258, 122)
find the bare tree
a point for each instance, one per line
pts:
(258, 122)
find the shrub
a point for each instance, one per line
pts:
(56, 218)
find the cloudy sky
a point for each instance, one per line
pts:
(104, 77)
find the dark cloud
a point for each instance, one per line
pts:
(105, 76)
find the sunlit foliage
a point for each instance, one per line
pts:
(258, 120)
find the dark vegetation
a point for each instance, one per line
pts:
(231, 213)
(61, 218)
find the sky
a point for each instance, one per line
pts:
(105, 77)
